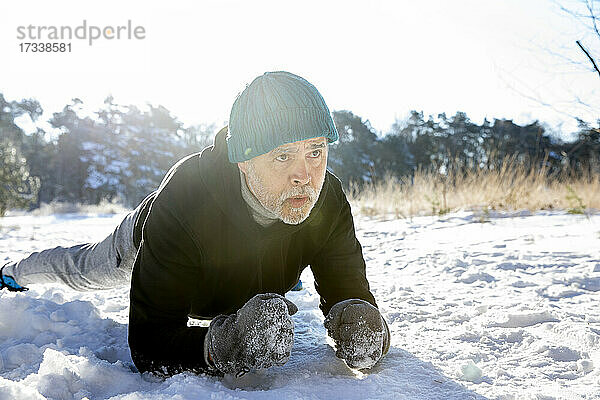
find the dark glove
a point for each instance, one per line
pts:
(360, 333)
(259, 335)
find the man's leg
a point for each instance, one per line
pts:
(88, 266)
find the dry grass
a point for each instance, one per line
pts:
(58, 207)
(508, 188)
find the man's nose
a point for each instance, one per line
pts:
(300, 175)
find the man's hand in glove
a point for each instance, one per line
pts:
(259, 335)
(360, 333)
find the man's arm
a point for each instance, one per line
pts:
(163, 282)
(339, 268)
(361, 334)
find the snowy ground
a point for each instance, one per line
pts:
(506, 309)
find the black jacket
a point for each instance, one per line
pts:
(201, 254)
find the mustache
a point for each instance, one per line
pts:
(299, 191)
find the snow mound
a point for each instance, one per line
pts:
(63, 376)
(527, 319)
(470, 372)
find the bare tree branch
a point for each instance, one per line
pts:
(586, 13)
(590, 7)
(588, 55)
(535, 97)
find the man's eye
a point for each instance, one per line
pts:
(282, 157)
(315, 154)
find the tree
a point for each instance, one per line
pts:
(528, 143)
(41, 158)
(154, 142)
(9, 111)
(353, 157)
(393, 155)
(583, 155)
(73, 156)
(587, 14)
(423, 138)
(122, 153)
(197, 137)
(17, 187)
(576, 55)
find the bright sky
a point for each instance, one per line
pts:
(379, 59)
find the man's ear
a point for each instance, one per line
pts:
(243, 166)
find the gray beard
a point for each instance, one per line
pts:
(259, 213)
(274, 205)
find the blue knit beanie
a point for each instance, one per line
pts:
(276, 108)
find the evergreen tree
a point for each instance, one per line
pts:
(421, 139)
(41, 161)
(393, 153)
(153, 143)
(17, 187)
(72, 156)
(353, 158)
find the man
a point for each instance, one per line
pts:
(225, 236)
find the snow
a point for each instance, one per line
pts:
(471, 372)
(506, 309)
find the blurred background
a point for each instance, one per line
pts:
(440, 105)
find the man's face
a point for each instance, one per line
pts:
(287, 180)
